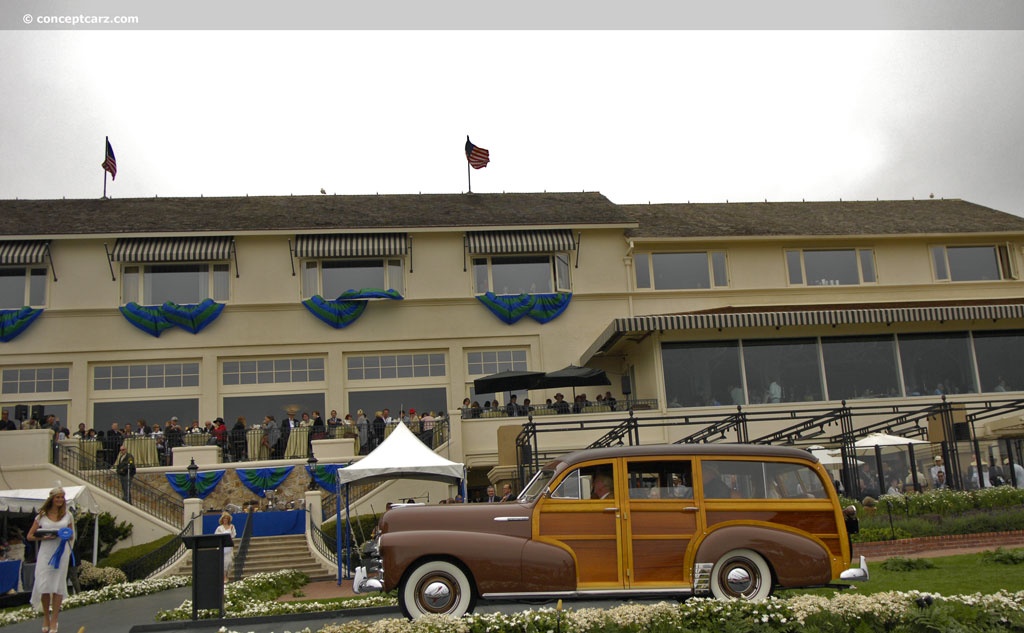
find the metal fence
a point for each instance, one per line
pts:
(161, 558)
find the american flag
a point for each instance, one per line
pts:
(109, 162)
(478, 157)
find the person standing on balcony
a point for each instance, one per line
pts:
(124, 466)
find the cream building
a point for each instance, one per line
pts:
(690, 308)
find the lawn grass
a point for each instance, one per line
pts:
(951, 575)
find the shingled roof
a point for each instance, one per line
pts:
(304, 213)
(761, 219)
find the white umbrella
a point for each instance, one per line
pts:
(881, 439)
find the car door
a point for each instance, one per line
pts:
(660, 523)
(580, 516)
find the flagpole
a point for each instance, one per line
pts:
(104, 184)
(469, 177)
(106, 144)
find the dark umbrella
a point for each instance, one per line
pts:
(509, 381)
(575, 376)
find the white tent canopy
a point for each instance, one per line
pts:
(402, 454)
(881, 439)
(28, 500)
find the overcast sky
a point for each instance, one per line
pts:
(659, 116)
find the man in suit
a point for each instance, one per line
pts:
(124, 466)
(491, 497)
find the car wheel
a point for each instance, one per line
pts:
(741, 575)
(436, 587)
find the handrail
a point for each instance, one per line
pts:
(159, 559)
(159, 504)
(324, 544)
(243, 549)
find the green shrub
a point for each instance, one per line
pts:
(90, 577)
(1003, 557)
(122, 557)
(898, 563)
(111, 533)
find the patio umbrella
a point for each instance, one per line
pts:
(509, 381)
(575, 376)
(882, 439)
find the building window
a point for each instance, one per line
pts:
(145, 376)
(937, 364)
(860, 367)
(519, 274)
(701, 374)
(155, 284)
(998, 355)
(487, 362)
(34, 380)
(973, 263)
(22, 286)
(782, 371)
(388, 366)
(331, 277)
(835, 267)
(272, 371)
(681, 271)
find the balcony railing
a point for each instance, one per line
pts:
(564, 408)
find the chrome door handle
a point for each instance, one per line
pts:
(611, 509)
(691, 509)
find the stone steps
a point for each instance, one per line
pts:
(273, 553)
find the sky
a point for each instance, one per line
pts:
(640, 116)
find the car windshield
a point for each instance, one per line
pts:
(537, 486)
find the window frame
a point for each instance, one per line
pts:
(559, 271)
(30, 291)
(389, 265)
(1005, 258)
(717, 260)
(133, 281)
(860, 255)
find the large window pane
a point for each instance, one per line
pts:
(794, 269)
(831, 268)
(642, 264)
(429, 399)
(999, 357)
(673, 271)
(721, 274)
(12, 288)
(179, 283)
(480, 283)
(342, 275)
(972, 263)
(220, 282)
(861, 367)
(700, 374)
(152, 411)
(936, 364)
(867, 265)
(395, 281)
(310, 277)
(37, 287)
(516, 275)
(782, 371)
(254, 408)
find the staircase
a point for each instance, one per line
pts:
(274, 553)
(270, 554)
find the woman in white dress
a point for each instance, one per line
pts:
(54, 529)
(226, 527)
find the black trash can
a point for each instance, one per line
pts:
(207, 571)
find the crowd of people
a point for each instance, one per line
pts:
(898, 481)
(558, 405)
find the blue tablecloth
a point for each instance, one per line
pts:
(264, 523)
(9, 570)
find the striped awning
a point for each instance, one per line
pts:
(23, 252)
(783, 318)
(543, 241)
(172, 249)
(351, 245)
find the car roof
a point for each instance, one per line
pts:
(679, 450)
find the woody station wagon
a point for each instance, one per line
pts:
(731, 521)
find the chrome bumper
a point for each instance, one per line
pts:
(362, 583)
(856, 574)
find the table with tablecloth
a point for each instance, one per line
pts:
(254, 445)
(10, 570)
(143, 449)
(298, 443)
(264, 523)
(196, 439)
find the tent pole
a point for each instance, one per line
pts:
(95, 538)
(348, 531)
(337, 522)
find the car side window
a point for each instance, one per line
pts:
(792, 481)
(728, 479)
(669, 479)
(588, 482)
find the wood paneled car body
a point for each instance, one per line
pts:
(733, 521)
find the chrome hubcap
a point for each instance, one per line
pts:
(436, 595)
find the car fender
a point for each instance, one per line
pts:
(795, 559)
(494, 561)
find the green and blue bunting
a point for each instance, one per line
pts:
(259, 480)
(325, 475)
(153, 320)
(14, 322)
(192, 317)
(149, 319)
(539, 307)
(370, 293)
(337, 314)
(205, 483)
